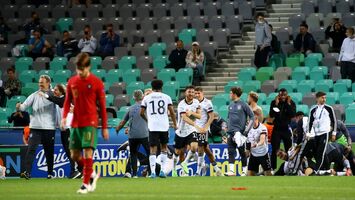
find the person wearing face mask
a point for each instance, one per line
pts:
(177, 56)
(32, 25)
(195, 59)
(263, 40)
(38, 46)
(108, 42)
(88, 43)
(347, 56)
(304, 42)
(337, 32)
(68, 46)
(42, 125)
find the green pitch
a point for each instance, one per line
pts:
(185, 188)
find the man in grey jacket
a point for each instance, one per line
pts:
(42, 125)
(263, 38)
(240, 121)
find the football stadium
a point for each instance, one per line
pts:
(177, 99)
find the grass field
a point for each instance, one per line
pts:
(185, 188)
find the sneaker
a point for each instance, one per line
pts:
(25, 175)
(174, 173)
(50, 176)
(183, 174)
(184, 167)
(83, 189)
(348, 172)
(93, 182)
(230, 173)
(162, 174)
(74, 175)
(3, 172)
(153, 175)
(135, 176)
(127, 175)
(243, 174)
(218, 171)
(204, 170)
(197, 174)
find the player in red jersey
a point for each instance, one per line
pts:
(84, 90)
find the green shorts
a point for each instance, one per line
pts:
(81, 138)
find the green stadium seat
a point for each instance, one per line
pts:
(293, 62)
(319, 56)
(156, 49)
(5, 123)
(262, 98)
(264, 73)
(349, 115)
(252, 86)
(266, 110)
(49, 73)
(58, 63)
(184, 76)
(231, 84)
(342, 86)
(306, 86)
(95, 62)
(270, 98)
(126, 63)
(353, 87)
(332, 98)
(245, 76)
(109, 99)
(113, 122)
(23, 64)
(296, 97)
(244, 97)
(27, 91)
(289, 85)
(303, 108)
(221, 99)
(64, 24)
(113, 76)
(300, 73)
(311, 61)
(276, 61)
(122, 111)
(27, 76)
(187, 35)
(139, 85)
(160, 62)
(61, 76)
(347, 98)
(223, 112)
(11, 103)
(131, 76)
(324, 85)
(318, 73)
(100, 73)
(298, 55)
(172, 88)
(167, 74)
(5, 113)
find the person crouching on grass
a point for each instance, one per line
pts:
(257, 147)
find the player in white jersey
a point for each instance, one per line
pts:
(205, 122)
(186, 133)
(258, 148)
(253, 98)
(154, 110)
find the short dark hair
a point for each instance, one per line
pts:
(299, 113)
(282, 90)
(304, 25)
(87, 26)
(157, 84)
(61, 88)
(351, 29)
(82, 61)
(10, 69)
(199, 89)
(320, 94)
(237, 91)
(190, 87)
(109, 25)
(65, 31)
(270, 26)
(260, 14)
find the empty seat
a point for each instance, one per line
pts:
(110, 11)
(342, 7)
(228, 8)
(289, 85)
(194, 9)
(295, 21)
(199, 22)
(148, 75)
(216, 22)
(306, 86)
(148, 24)
(120, 101)
(164, 23)
(25, 11)
(348, 19)
(309, 99)
(117, 88)
(169, 36)
(160, 10)
(177, 10)
(307, 7)
(210, 50)
(59, 11)
(139, 49)
(144, 62)
(325, 6)
(269, 86)
(143, 10)
(126, 10)
(93, 11)
(211, 9)
(324, 85)
(76, 11)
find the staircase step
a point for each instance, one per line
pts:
(221, 74)
(231, 71)
(287, 10)
(233, 65)
(285, 5)
(282, 14)
(212, 87)
(216, 83)
(220, 79)
(247, 47)
(250, 42)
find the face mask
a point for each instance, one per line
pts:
(260, 21)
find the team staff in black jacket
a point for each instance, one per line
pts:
(282, 109)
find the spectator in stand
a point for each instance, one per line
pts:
(39, 46)
(177, 56)
(304, 42)
(4, 31)
(275, 44)
(88, 43)
(20, 118)
(68, 46)
(263, 39)
(108, 41)
(11, 87)
(347, 56)
(194, 59)
(29, 27)
(337, 32)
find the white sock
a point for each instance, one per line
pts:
(93, 174)
(195, 156)
(188, 156)
(245, 169)
(346, 164)
(152, 162)
(341, 173)
(199, 164)
(164, 158)
(176, 160)
(322, 172)
(231, 167)
(216, 168)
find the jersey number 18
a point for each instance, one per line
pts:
(161, 107)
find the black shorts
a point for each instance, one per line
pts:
(202, 139)
(156, 138)
(181, 142)
(264, 161)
